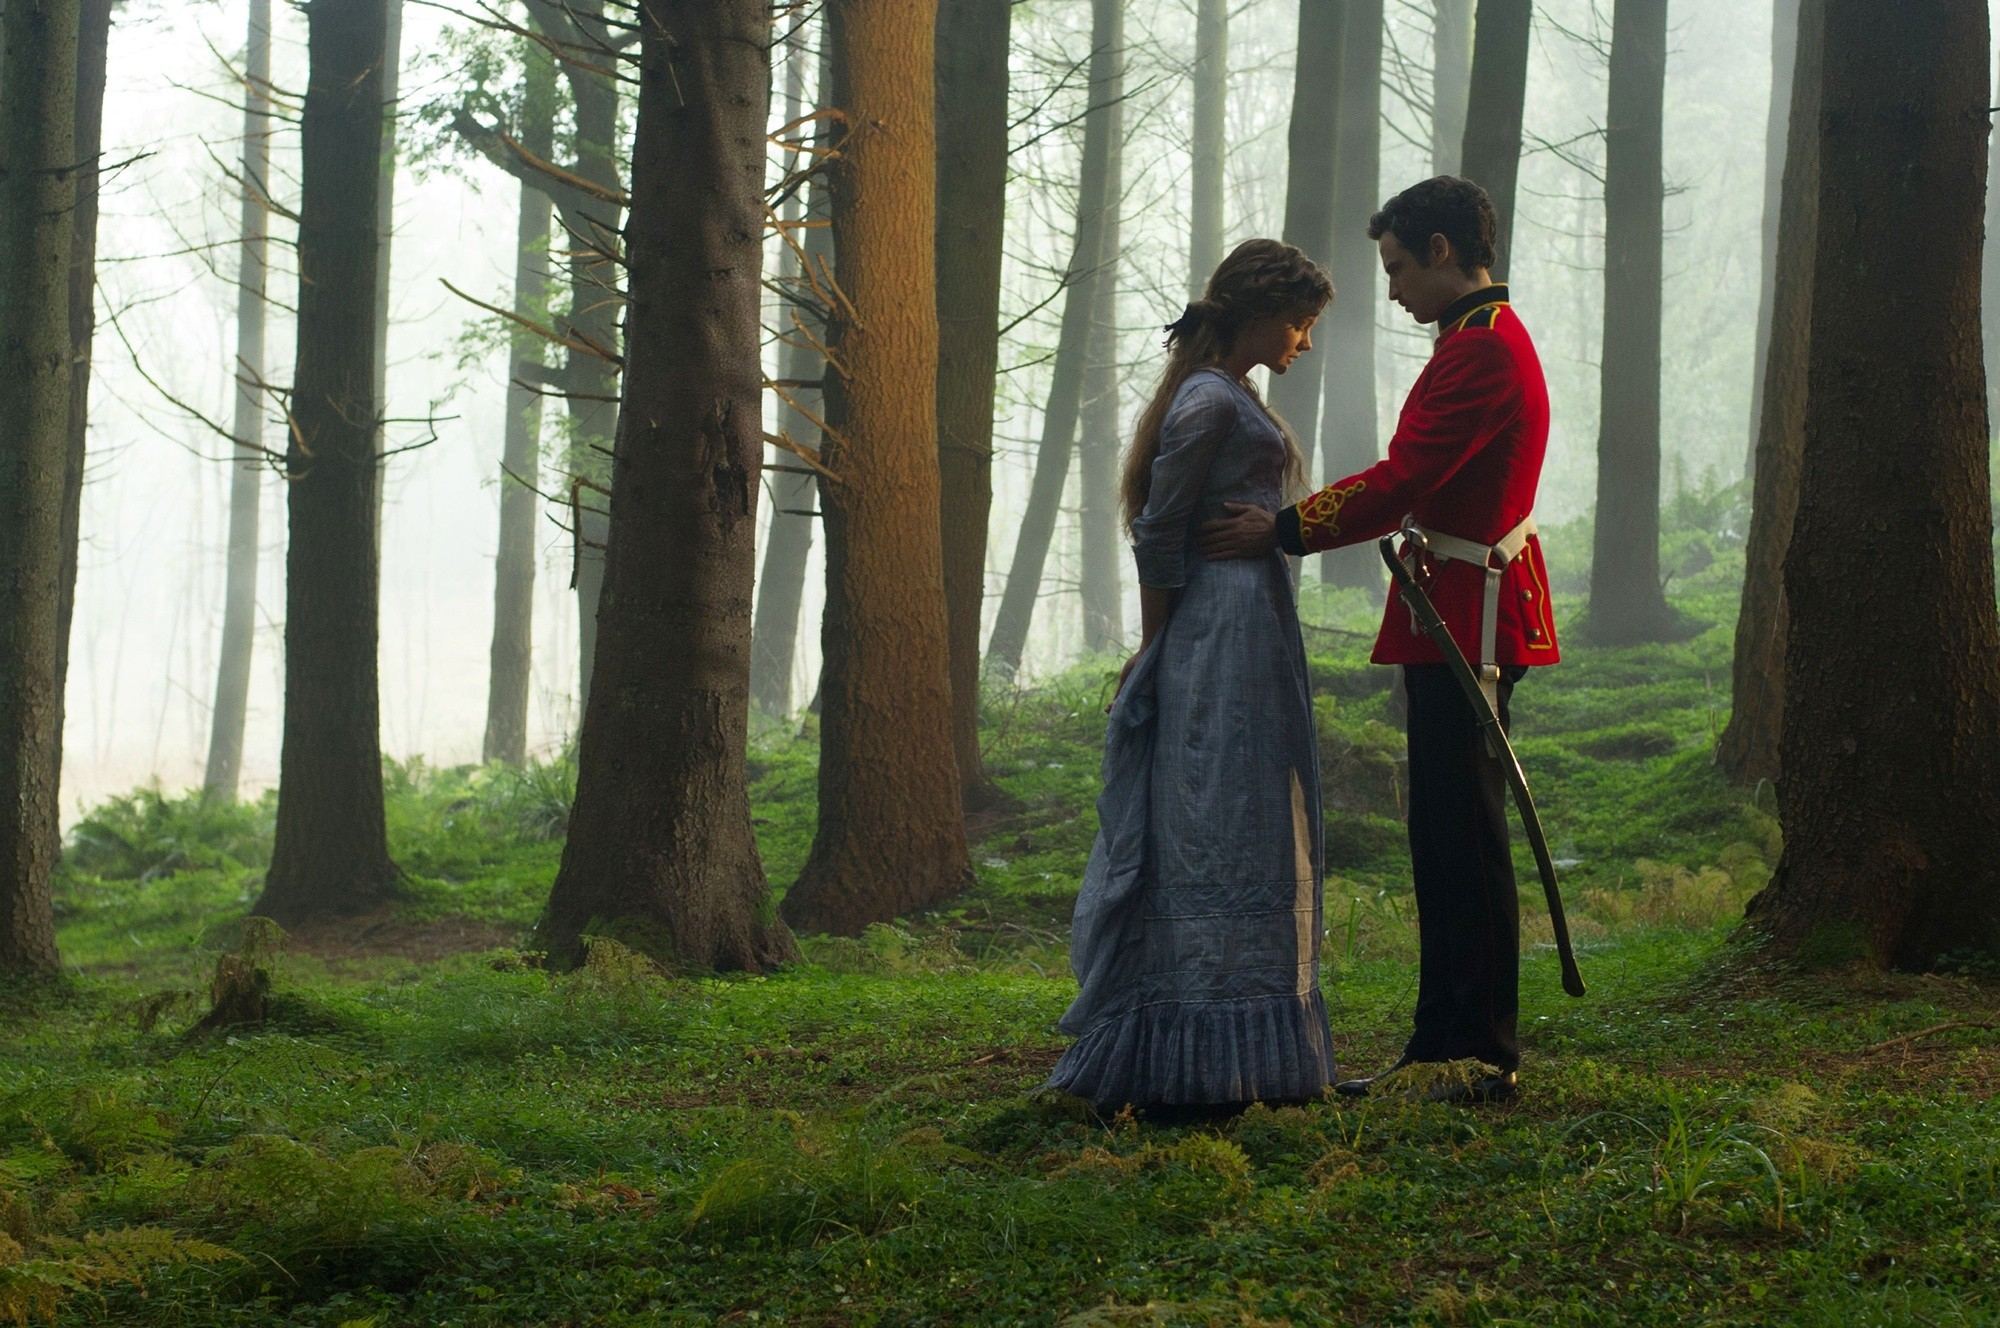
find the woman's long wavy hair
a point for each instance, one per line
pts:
(1258, 278)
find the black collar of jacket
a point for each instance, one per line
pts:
(1465, 304)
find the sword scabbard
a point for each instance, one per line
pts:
(1486, 709)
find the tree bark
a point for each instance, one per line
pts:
(972, 195)
(1206, 225)
(1066, 384)
(239, 597)
(781, 589)
(1348, 427)
(385, 227)
(511, 656)
(1492, 153)
(1451, 82)
(1989, 280)
(890, 835)
(1627, 604)
(1784, 56)
(1749, 748)
(590, 236)
(331, 855)
(38, 193)
(1311, 157)
(93, 42)
(1099, 443)
(660, 848)
(1892, 709)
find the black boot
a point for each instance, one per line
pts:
(1363, 1086)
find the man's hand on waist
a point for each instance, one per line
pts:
(1248, 531)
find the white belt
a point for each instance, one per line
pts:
(1494, 559)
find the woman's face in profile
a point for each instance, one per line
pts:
(1275, 340)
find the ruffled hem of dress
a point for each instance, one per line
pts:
(1252, 1049)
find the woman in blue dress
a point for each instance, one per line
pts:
(1196, 935)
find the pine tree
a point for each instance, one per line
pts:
(660, 847)
(1892, 704)
(891, 836)
(330, 855)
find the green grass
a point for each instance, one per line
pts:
(430, 1129)
(480, 1142)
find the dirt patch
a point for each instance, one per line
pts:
(1945, 1063)
(385, 934)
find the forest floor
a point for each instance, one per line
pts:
(432, 1129)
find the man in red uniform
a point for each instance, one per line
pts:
(1463, 465)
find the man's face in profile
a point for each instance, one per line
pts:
(1425, 290)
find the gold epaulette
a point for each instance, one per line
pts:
(1486, 315)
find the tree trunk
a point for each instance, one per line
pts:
(1348, 427)
(239, 597)
(1989, 282)
(1749, 748)
(595, 300)
(1099, 443)
(38, 192)
(331, 853)
(1206, 225)
(660, 847)
(511, 658)
(972, 195)
(1451, 83)
(590, 236)
(239, 600)
(1499, 88)
(1892, 710)
(781, 589)
(1066, 383)
(1311, 155)
(1784, 54)
(890, 836)
(1627, 604)
(92, 48)
(385, 228)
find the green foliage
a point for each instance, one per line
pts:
(101, 1126)
(35, 1282)
(307, 1201)
(146, 835)
(468, 1137)
(1684, 1168)
(886, 948)
(492, 1143)
(807, 1185)
(532, 801)
(1666, 895)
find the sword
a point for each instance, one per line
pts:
(1426, 615)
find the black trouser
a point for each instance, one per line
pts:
(1468, 916)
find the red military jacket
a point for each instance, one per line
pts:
(1465, 460)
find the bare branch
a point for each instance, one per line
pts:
(568, 191)
(245, 445)
(804, 453)
(576, 341)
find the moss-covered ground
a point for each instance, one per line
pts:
(431, 1129)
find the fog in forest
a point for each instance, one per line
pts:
(156, 498)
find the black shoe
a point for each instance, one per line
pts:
(1501, 1086)
(1363, 1086)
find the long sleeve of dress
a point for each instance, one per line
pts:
(1201, 418)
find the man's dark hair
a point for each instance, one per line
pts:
(1444, 205)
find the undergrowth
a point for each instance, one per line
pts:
(449, 1133)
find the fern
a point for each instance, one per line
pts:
(146, 835)
(34, 1283)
